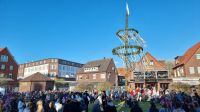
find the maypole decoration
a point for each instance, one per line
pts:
(132, 49)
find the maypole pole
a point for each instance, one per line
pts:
(131, 49)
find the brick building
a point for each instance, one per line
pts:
(51, 67)
(98, 71)
(121, 76)
(187, 67)
(8, 69)
(155, 74)
(36, 82)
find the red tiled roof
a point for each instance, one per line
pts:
(188, 54)
(1, 49)
(36, 77)
(162, 62)
(122, 71)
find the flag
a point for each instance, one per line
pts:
(127, 9)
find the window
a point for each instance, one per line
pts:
(3, 67)
(181, 71)
(64, 62)
(198, 56)
(174, 73)
(80, 77)
(60, 67)
(51, 67)
(103, 76)
(191, 69)
(10, 75)
(54, 74)
(198, 69)
(4, 58)
(113, 68)
(151, 62)
(94, 76)
(87, 77)
(11, 67)
(56, 60)
(63, 67)
(1, 75)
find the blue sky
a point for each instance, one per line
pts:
(84, 30)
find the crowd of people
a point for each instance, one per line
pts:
(61, 101)
(56, 101)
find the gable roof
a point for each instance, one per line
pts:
(101, 64)
(1, 49)
(158, 64)
(188, 54)
(36, 77)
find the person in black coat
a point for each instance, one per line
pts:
(51, 107)
(135, 107)
(153, 108)
(72, 106)
(104, 100)
(96, 106)
(86, 100)
(110, 107)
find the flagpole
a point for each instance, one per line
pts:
(127, 14)
(126, 44)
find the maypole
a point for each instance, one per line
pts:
(132, 48)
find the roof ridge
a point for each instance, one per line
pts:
(195, 48)
(98, 60)
(38, 75)
(193, 52)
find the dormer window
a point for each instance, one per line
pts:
(4, 58)
(151, 63)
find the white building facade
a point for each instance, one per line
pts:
(52, 67)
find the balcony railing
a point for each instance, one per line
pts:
(150, 75)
